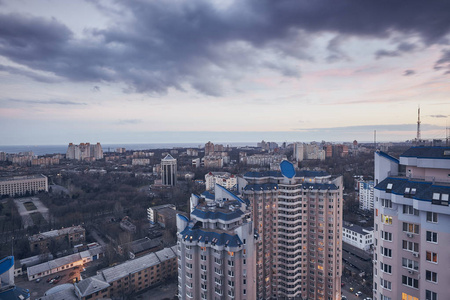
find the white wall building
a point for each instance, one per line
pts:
(20, 185)
(357, 236)
(224, 179)
(365, 189)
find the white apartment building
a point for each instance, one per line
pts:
(365, 189)
(216, 249)
(412, 225)
(169, 170)
(20, 185)
(84, 151)
(357, 236)
(224, 179)
(298, 217)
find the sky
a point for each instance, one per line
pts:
(176, 71)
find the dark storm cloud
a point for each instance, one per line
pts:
(409, 72)
(179, 44)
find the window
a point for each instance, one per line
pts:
(410, 210)
(432, 217)
(432, 237)
(218, 291)
(412, 228)
(431, 276)
(408, 297)
(386, 251)
(410, 246)
(389, 187)
(410, 264)
(386, 268)
(387, 236)
(385, 284)
(431, 257)
(386, 219)
(411, 282)
(386, 203)
(384, 297)
(218, 281)
(217, 260)
(203, 257)
(429, 295)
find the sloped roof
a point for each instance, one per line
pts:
(91, 285)
(428, 152)
(424, 189)
(212, 215)
(203, 235)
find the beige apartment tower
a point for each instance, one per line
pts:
(298, 218)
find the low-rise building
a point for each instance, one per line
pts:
(72, 235)
(20, 185)
(224, 179)
(64, 263)
(357, 236)
(141, 247)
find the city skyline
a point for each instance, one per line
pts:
(173, 71)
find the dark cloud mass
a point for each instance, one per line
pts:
(48, 102)
(181, 44)
(409, 73)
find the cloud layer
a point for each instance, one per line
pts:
(154, 46)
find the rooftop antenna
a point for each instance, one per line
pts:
(418, 125)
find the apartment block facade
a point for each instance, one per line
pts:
(412, 225)
(365, 189)
(169, 170)
(215, 249)
(298, 218)
(20, 185)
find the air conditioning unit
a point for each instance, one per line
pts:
(415, 254)
(411, 272)
(410, 235)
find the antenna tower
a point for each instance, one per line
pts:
(418, 125)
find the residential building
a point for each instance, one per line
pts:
(84, 151)
(224, 179)
(365, 189)
(262, 160)
(412, 224)
(213, 161)
(123, 280)
(216, 249)
(209, 148)
(140, 161)
(357, 236)
(140, 247)
(298, 216)
(127, 225)
(169, 170)
(165, 215)
(42, 241)
(21, 185)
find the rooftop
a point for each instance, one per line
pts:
(358, 229)
(17, 178)
(56, 233)
(213, 236)
(428, 152)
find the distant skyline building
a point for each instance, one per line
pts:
(365, 194)
(216, 249)
(298, 216)
(84, 151)
(169, 170)
(224, 179)
(412, 225)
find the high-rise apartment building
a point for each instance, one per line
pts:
(169, 170)
(216, 249)
(365, 189)
(84, 151)
(298, 216)
(412, 225)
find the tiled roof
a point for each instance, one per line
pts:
(91, 285)
(213, 237)
(428, 152)
(424, 189)
(212, 215)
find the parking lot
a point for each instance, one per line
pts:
(38, 289)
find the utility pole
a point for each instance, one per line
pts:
(418, 125)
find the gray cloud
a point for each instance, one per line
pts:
(46, 102)
(164, 45)
(30, 74)
(409, 72)
(444, 61)
(438, 116)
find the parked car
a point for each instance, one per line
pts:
(38, 280)
(358, 294)
(352, 289)
(51, 281)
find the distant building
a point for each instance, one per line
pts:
(262, 160)
(357, 236)
(84, 151)
(126, 225)
(164, 215)
(140, 161)
(45, 161)
(209, 148)
(41, 241)
(169, 170)
(224, 179)
(2, 156)
(121, 150)
(196, 162)
(192, 152)
(213, 161)
(141, 247)
(365, 189)
(20, 185)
